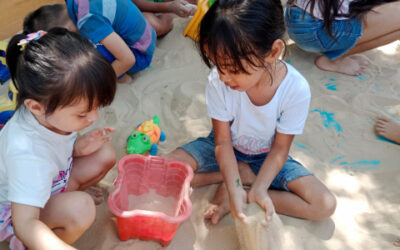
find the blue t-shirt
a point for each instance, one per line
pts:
(96, 19)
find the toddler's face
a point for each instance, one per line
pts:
(71, 118)
(241, 81)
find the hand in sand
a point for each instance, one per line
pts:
(260, 195)
(388, 128)
(237, 202)
(92, 141)
(222, 204)
(179, 7)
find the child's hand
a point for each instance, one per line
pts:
(179, 7)
(261, 196)
(237, 202)
(92, 141)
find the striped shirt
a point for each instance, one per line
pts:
(97, 19)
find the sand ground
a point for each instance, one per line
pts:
(338, 145)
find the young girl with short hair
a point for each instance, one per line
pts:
(44, 165)
(257, 104)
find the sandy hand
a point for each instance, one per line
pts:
(179, 7)
(260, 195)
(91, 141)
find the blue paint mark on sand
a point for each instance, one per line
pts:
(377, 88)
(300, 145)
(329, 120)
(362, 164)
(337, 158)
(361, 77)
(331, 86)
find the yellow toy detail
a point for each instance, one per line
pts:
(192, 29)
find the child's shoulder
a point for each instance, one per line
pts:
(294, 86)
(295, 80)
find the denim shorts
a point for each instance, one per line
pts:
(309, 34)
(142, 61)
(203, 150)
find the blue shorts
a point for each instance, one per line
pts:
(142, 61)
(309, 34)
(203, 150)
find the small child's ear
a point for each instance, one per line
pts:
(35, 107)
(276, 51)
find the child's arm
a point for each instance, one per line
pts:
(124, 57)
(270, 168)
(31, 231)
(229, 168)
(175, 6)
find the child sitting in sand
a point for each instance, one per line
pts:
(117, 27)
(167, 10)
(62, 80)
(341, 28)
(257, 104)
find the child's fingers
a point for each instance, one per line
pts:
(108, 130)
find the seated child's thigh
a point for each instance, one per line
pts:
(291, 171)
(203, 151)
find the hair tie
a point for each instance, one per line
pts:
(30, 37)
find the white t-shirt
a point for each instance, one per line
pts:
(253, 127)
(34, 161)
(343, 8)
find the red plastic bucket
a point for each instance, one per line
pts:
(139, 176)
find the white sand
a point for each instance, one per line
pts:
(362, 171)
(154, 202)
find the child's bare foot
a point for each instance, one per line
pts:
(388, 128)
(125, 79)
(219, 206)
(396, 243)
(346, 65)
(96, 193)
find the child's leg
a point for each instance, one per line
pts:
(380, 26)
(162, 23)
(388, 128)
(308, 199)
(69, 214)
(89, 170)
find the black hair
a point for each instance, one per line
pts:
(233, 31)
(330, 10)
(59, 69)
(45, 18)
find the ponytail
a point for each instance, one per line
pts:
(13, 55)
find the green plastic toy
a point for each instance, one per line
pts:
(145, 138)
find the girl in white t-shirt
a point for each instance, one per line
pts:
(44, 164)
(339, 29)
(257, 104)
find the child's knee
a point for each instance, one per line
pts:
(82, 213)
(324, 207)
(182, 155)
(108, 157)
